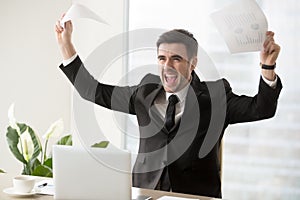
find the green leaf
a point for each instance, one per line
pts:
(22, 127)
(102, 144)
(66, 140)
(13, 139)
(26, 170)
(48, 163)
(34, 163)
(30, 166)
(2, 171)
(36, 143)
(42, 170)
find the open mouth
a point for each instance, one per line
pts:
(170, 78)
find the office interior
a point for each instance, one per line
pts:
(259, 159)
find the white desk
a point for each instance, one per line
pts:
(6, 182)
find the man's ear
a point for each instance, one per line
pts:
(194, 62)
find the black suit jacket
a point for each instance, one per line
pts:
(191, 149)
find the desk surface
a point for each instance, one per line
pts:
(6, 182)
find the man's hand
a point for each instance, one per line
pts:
(269, 54)
(64, 39)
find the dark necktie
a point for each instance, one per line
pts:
(164, 181)
(170, 113)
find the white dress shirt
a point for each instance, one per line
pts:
(161, 103)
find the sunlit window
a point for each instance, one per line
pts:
(261, 160)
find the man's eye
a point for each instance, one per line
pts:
(161, 58)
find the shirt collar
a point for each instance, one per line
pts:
(180, 94)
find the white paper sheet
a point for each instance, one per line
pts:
(174, 198)
(80, 11)
(44, 187)
(243, 26)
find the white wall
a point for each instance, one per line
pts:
(88, 36)
(29, 72)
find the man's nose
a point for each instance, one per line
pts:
(168, 63)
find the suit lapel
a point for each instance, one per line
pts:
(153, 112)
(195, 92)
(149, 100)
(197, 101)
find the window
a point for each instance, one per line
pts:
(261, 160)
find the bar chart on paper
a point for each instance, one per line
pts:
(243, 26)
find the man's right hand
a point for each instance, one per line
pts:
(64, 39)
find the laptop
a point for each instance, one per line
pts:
(92, 173)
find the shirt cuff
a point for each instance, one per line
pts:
(68, 61)
(272, 84)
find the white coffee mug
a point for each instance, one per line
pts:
(23, 184)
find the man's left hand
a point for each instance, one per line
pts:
(268, 55)
(270, 51)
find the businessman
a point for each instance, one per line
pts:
(179, 116)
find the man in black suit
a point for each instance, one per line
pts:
(181, 119)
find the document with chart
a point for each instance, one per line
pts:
(243, 26)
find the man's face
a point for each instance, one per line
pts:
(175, 66)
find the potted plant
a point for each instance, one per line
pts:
(25, 145)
